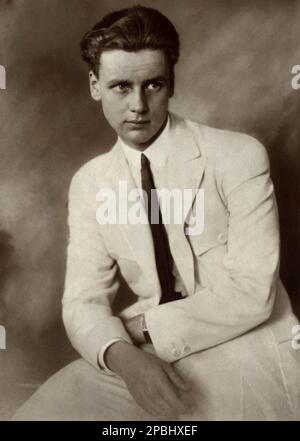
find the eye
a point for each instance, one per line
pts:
(121, 87)
(154, 86)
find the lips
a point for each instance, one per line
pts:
(137, 125)
(137, 122)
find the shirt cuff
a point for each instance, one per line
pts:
(101, 356)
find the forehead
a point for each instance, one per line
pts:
(140, 65)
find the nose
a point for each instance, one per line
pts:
(138, 102)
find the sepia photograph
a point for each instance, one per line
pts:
(149, 211)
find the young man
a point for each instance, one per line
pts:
(207, 333)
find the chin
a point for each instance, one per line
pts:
(139, 139)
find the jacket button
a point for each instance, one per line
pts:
(186, 349)
(175, 352)
(222, 238)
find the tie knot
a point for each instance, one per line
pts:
(144, 160)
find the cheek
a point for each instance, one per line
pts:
(160, 102)
(159, 108)
(113, 110)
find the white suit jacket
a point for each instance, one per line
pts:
(229, 272)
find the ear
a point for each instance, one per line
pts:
(95, 86)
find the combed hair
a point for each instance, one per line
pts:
(131, 29)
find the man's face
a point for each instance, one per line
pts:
(134, 88)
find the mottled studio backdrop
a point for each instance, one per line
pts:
(235, 73)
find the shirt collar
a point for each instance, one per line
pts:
(157, 152)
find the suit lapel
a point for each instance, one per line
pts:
(184, 170)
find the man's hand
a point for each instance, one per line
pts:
(134, 329)
(153, 383)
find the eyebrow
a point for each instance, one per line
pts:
(159, 79)
(116, 81)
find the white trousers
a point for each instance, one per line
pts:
(247, 378)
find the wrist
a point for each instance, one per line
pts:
(134, 329)
(118, 357)
(112, 354)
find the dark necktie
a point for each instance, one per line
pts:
(163, 257)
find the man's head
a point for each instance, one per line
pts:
(131, 54)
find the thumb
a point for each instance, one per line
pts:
(178, 380)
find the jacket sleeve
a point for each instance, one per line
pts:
(91, 278)
(241, 290)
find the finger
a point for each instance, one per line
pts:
(154, 402)
(169, 395)
(183, 400)
(177, 380)
(160, 407)
(154, 407)
(165, 412)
